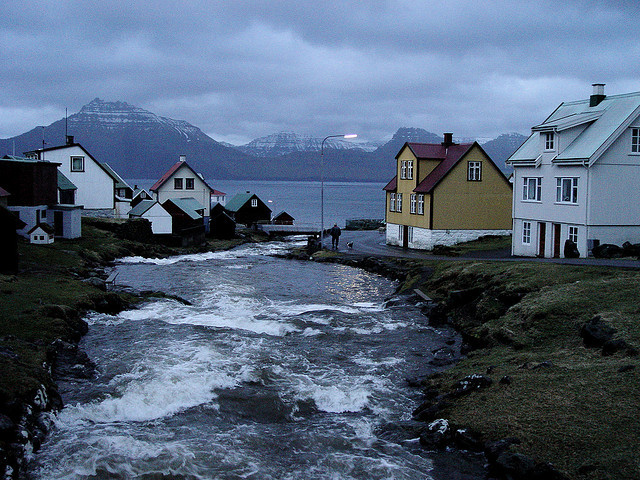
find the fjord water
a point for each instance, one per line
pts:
(278, 369)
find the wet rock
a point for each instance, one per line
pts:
(96, 282)
(6, 426)
(69, 361)
(514, 465)
(467, 439)
(595, 332)
(438, 434)
(493, 450)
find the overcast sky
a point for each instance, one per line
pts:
(244, 69)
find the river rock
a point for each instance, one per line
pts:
(438, 434)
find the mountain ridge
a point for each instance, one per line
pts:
(140, 144)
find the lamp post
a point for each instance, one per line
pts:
(352, 135)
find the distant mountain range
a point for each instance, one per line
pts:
(140, 144)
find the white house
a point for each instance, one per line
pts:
(181, 181)
(95, 185)
(41, 234)
(576, 177)
(161, 221)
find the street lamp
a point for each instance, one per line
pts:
(351, 135)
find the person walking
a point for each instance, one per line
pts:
(335, 235)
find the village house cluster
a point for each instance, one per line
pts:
(47, 191)
(573, 187)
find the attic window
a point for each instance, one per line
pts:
(254, 202)
(474, 171)
(549, 141)
(177, 184)
(189, 183)
(77, 164)
(635, 140)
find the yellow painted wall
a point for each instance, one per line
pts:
(405, 187)
(459, 204)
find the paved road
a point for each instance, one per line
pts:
(373, 243)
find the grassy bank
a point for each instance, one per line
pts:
(568, 404)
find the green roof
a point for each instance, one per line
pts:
(238, 201)
(64, 183)
(188, 205)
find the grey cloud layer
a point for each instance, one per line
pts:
(244, 69)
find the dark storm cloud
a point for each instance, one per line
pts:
(244, 69)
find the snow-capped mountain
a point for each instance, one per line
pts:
(284, 143)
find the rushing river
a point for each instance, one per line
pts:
(279, 369)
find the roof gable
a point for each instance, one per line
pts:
(189, 206)
(453, 154)
(142, 207)
(182, 163)
(64, 183)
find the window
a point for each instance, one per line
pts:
(420, 204)
(177, 184)
(526, 233)
(549, 141)
(474, 171)
(403, 169)
(392, 202)
(410, 169)
(635, 140)
(399, 202)
(410, 235)
(412, 203)
(44, 214)
(573, 234)
(254, 202)
(400, 233)
(532, 188)
(77, 164)
(189, 183)
(567, 190)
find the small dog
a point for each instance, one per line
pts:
(349, 245)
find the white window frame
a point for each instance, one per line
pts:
(410, 235)
(400, 233)
(403, 169)
(562, 185)
(635, 140)
(409, 169)
(254, 202)
(549, 141)
(399, 202)
(474, 171)
(412, 203)
(392, 202)
(77, 158)
(420, 204)
(573, 234)
(531, 189)
(526, 233)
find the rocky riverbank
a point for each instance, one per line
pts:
(549, 351)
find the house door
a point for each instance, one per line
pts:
(405, 236)
(58, 224)
(556, 240)
(542, 238)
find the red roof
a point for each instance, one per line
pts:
(450, 158)
(217, 192)
(392, 185)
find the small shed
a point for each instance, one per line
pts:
(160, 219)
(248, 209)
(222, 225)
(42, 234)
(283, 218)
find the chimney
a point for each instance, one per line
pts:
(69, 139)
(183, 158)
(598, 94)
(448, 140)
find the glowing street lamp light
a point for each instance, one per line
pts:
(350, 135)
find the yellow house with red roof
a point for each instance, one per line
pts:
(445, 193)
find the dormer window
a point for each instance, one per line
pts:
(549, 141)
(635, 140)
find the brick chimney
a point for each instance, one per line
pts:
(69, 139)
(598, 94)
(448, 140)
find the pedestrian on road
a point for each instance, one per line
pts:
(335, 235)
